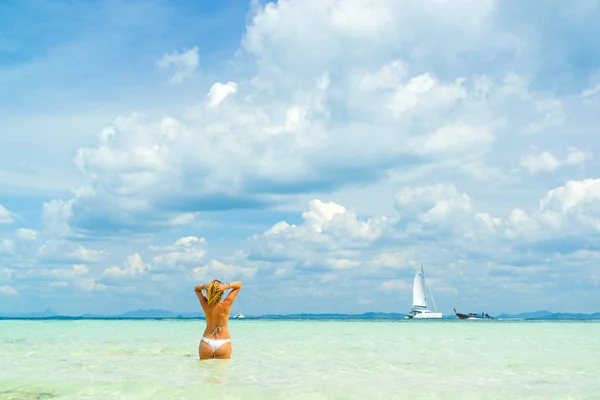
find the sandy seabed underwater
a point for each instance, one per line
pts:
(285, 359)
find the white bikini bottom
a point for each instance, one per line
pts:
(215, 343)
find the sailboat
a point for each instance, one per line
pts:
(420, 309)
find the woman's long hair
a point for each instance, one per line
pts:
(214, 297)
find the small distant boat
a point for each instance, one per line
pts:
(420, 308)
(472, 315)
(239, 316)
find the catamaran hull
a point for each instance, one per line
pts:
(424, 315)
(435, 315)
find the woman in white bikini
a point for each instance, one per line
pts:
(216, 341)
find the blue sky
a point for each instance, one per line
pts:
(320, 151)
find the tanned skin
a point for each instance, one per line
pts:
(217, 315)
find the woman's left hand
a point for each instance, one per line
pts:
(220, 287)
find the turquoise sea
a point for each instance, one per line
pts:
(301, 360)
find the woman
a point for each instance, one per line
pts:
(216, 341)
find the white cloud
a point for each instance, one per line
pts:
(260, 143)
(395, 286)
(327, 225)
(321, 213)
(7, 246)
(76, 270)
(329, 31)
(6, 274)
(27, 234)
(440, 203)
(86, 255)
(90, 285)
(455, 138)
(577, 157)
(181, 65)
(6, 217)
(134, 266)
(219, 91)
(392, 259)
(546, 162)
(68, 252)
(318, 117)
(482, 172)
(215, 269)
(331, 238)
(77, 277)
(591, 91)
(56, 215)
(184, 219)
(438, 215)
(185, 251)
(551, 113)
(571, 211)
(8, 291)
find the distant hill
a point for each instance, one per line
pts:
(138, 314)
(369, 315)
(548, 315)
(153, 313)
(147, 314)
(43, 314)
(527, 315)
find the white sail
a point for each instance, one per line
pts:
(419, 297)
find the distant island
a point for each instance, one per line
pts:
(165, 314)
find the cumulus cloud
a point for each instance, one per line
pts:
(76, 270)
(455, 138)
(7, 246)
(134, 267)
(8, 291)
(438, 215)
(219, 91)
(89, 285)
(327, 226)
(157, 172)
(570, 210)
(546, 162)
(293, 126)
(56, 215)
(591, 91)
(180, 65)
(353, 25)
(215, 269)
(6, 217)
(438, 205)
(394, 286)
(63, 251)
(77, 276)
(27, 234)
(185, 251)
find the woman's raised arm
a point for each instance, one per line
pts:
(200, 288)
(235, 285)
(235, 289)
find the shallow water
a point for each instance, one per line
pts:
(301, 360)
